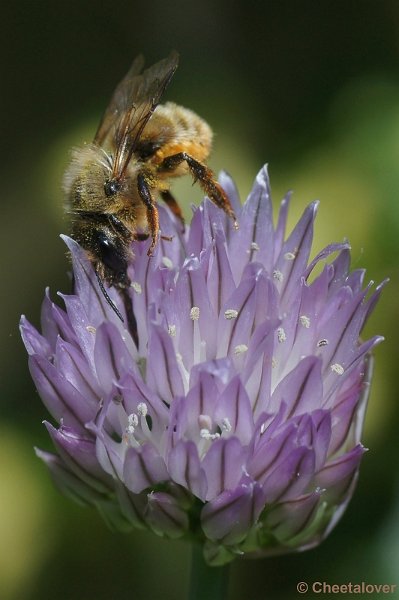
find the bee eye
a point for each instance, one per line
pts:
(146, 149)
(111, 187)
(110, 255)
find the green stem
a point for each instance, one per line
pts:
(207, 583)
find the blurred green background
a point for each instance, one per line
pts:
(312, 88)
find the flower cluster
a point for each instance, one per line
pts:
(237, 418)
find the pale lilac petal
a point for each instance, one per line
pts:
(135, 393)
(281, 225)
(254, 301)
(195, 312)
(325, 253)
(87, 288)
(288, 519)
(321, 436)
(230, 188)
(34, 342)
(336, 475)
(83, 328)
(219, 278)
(166, 516)
(64, 402)
(340, 270)
(143, 468)
(291, 477)
(229, 517)
(301, 389)
(112, 357)
(163, 374)
(55, 323)
(200, 400)
(68, 483)
(255, 238)
(268, 453)
(70, 361)
(214, 222)
(79, 453)
(223, 465)
(294, 255)
(233, 412)
(133, 506)
(185, 468)
(257, 373)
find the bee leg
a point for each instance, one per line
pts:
(171, 202)
(131, 318)
(205, 178)
(123, 291)
(143, 237)
(152, 211)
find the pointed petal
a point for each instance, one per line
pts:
(255, 237)
(66, 481)
(268, 454)
(54, 322)
(63, 401)
(254, 301)
(166, 516)
(197, 320)
(338, 474)
(87, 288)
(112, 358)
(281, 225)
(288, 519)
(294, 255)
(233, 412)
(291, 477)
(229, 517)
(230, 188)
(79, 453)
(301, 389)
(224, 465)
(34, 342)
(143, 468)
(71, 363)
(325, 253)
(134, 391)
(185, 468)
(163, 374)
(220, 278)
(200, 400)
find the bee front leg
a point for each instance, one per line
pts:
(152, 211)
(205, 178)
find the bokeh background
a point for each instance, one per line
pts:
(312, 88)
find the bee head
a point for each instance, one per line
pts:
(107, 243)
(113, 257)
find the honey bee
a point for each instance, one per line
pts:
(112, 184)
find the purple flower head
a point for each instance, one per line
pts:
(237, 418)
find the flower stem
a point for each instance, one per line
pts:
(207, 583)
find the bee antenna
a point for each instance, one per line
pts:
(107, 297)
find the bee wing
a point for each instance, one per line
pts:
(131, 106)
(119, 101)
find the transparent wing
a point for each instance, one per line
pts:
(131, 106)
(120, 100)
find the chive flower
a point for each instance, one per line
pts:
(236, 419)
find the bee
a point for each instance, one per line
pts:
(112, 184)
